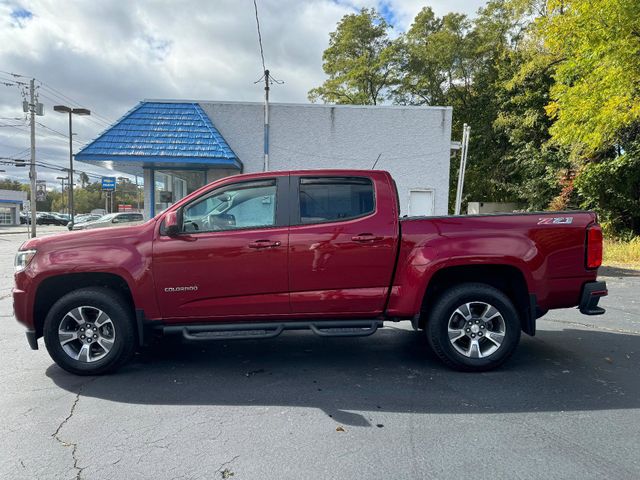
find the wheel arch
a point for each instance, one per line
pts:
(53, 288)
(506, 278)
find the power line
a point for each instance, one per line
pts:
(98, 122)
(14, 126)
(55, 92)
(64, 135)
(67, 98)
(17, 75)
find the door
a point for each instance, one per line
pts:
(341, 245)
(421, 203)
(231, 258)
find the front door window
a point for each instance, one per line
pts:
(243, 205)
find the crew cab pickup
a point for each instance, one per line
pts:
(250, 256)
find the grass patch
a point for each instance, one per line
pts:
(618, 252)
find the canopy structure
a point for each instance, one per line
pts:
(161, 135)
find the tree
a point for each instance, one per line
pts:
(549, 87)
(84, 179)
(8, 184)
(595, 96)
(456, 61)
(360, 61)
(595, 102)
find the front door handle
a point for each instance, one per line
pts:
(264, 244)
(366, 237)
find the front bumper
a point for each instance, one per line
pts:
(591, 294)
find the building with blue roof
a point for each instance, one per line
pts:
(179, 146)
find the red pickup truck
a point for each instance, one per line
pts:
(250, 256)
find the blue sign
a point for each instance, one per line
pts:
(109, 184)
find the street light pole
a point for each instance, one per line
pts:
(71, 111)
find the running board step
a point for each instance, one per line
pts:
(244, 331)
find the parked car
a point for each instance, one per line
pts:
(80, 219)
(64, 218)
(110, 220)
(46, 218)
(253, 255)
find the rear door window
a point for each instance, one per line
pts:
(331, 199)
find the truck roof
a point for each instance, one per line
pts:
(332, 171)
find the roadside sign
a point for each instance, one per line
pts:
(41, 190)
(26, 206)
(108, 184)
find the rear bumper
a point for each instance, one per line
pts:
(591, 294)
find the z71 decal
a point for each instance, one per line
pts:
(555, 220)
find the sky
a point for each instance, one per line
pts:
(108, 55)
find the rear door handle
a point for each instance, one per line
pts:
(366, 237)
(264, 244)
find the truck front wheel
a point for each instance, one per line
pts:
(90, 331)
(473, 327)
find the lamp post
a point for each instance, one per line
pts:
(71, 112)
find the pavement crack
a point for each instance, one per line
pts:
(219, 470)
(74, 446)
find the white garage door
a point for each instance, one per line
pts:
(420, 202)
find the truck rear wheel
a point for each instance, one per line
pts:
(90, 331)
(473, 327)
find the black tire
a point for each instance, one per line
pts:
(437, 328)
(122, 320)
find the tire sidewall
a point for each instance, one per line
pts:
(112, 305)
(437, 329)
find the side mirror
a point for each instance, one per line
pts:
(115, 220)
(171, 226)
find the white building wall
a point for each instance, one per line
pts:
(413, 142)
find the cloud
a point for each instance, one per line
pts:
(109, 55)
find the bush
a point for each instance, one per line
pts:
(612, 188)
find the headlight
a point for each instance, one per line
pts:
(23, 258)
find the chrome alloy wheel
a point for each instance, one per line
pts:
(476, 329)
(86, 334)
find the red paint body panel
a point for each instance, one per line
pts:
(330, 272)
(231, 277)
(315, 271)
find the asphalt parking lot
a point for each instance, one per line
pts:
(566, 406)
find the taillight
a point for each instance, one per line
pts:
(594, 246)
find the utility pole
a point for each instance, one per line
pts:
(62, 179)
(266, 120)
(32, 170)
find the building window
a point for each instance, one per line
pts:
(173, 185)
(6, 216)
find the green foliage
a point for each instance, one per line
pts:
(7, 184)
(551, 89)
(611, 186)
(85, 198)
(596, 93)
(360, 61)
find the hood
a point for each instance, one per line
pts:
(83, 238)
